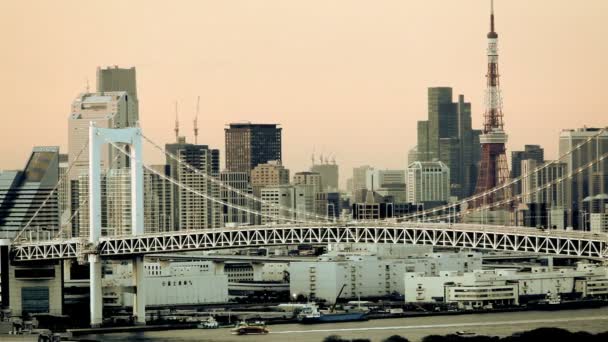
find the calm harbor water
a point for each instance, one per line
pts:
(496, 324)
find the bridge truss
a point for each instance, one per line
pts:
(511, 239)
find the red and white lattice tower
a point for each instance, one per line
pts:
(493, 169)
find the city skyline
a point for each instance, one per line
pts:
(338, 79)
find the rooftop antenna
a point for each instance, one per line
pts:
(491, 15)
(198, 100)
(176, 129)
(87, 86)
(312, 158)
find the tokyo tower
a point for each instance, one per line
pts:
(493, 169)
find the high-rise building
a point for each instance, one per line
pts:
(328, 204)
(113, 79)
(309, 178)
(268, 174)
(543, 185)
(22, 193)
(534, 152)
(63, 191)
(105, 110)
(248, 145)
(448, 136)
(275, 201)
(118, 201)
(493, 169)
(286, 203)
(234, 216)
(359, 182)
(80, 205)
(329, 174)
(191, 210)
(428, 182)
(158, 200)
(388, 183)
(590, 182)
(114, 105)
(412, 155)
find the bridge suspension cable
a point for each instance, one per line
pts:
(48, 197)
(230, 188)
(81, 204)
(529, 193)
(206, 196)
(503, 186)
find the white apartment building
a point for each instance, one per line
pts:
(284, 202)
(587, 279)
(369, 275)
(428, 182)
(598, 222)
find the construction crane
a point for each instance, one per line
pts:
(333, 307)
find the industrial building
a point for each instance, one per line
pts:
(169, 283)
(367, 274)
(505, 286)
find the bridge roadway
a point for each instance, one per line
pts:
(498, 238)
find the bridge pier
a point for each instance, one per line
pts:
(96, 298)
(139, 297)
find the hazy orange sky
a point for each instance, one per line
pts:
(346, 77)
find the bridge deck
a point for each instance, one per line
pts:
(502, 238)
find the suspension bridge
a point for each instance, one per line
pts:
(427, 227)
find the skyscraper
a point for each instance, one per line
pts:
(309, 178)
(158, 200)
(112, 79)
(248, 145)
(360, 182)
(191, 210)
(329, 173)
(284, 203)
(448, 136)
(542, 186)
(589, 183)
(22, 193)
(534, 152)
(428, 182)
(239, 181)
(493, 168)
(268, 174)
(114, 105)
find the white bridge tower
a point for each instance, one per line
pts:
(131, 137)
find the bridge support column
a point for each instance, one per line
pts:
(139, 297)
(96, 300)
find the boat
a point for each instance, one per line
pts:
(465, 333)
(311, 315)
(553, 301)
(208, 323)
(245, 328)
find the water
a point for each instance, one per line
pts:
(495, 324)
